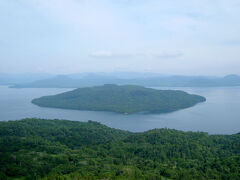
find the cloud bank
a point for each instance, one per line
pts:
(78, 35)
(108, 54)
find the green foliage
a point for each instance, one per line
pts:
(121, 99)
(66, 150)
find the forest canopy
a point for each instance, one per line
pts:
(60, 149)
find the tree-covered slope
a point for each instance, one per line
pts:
(122, 99)
(57, 149)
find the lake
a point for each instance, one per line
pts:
(220, 114)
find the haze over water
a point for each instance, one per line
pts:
(218, 115)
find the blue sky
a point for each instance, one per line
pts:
(199, 37)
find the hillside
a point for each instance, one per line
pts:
(121, 99)
(59, 149)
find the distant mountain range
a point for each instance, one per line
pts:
(20, 78)
(96, 79)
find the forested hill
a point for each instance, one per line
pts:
(57, 149)
(121, 99)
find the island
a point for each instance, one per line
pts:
(127, 99)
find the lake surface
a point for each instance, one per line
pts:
(220, 114)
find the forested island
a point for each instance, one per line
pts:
(59, 149)
(121, 99)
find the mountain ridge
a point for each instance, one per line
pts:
(68, 81)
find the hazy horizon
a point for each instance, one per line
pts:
(112, 73)
(75, 36)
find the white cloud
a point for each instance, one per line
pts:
(101, 54)
(94, 19)
(168, 55)
(108, 54)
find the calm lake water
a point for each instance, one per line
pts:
(220, 114)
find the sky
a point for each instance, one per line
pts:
(197, 37)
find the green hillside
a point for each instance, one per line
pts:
(121, 99)
(66, 150)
